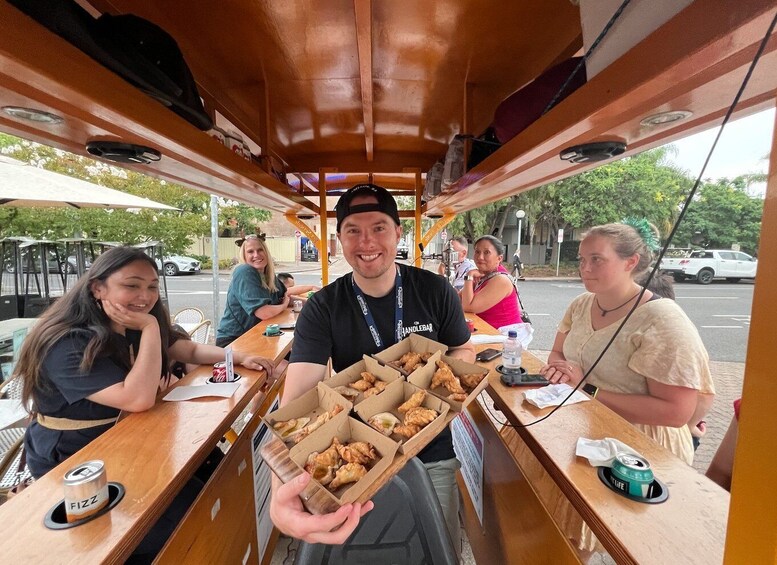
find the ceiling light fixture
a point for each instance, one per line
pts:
(33, 115)
(589, 152)
(665, 118)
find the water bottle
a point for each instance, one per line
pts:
(511, 353)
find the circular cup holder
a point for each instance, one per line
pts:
(56, 519)
(210, 380)
(511, 372)
(659, 492)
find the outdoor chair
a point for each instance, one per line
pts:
(201, 332)
(11, 444)
(188, 316)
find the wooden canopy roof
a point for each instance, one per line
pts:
(376, 90)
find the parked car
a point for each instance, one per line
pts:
(707, 264)
(68, 266)
(402, 250)
(180, 264)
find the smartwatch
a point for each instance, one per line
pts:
(591, 390)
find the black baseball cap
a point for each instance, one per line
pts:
(385, 203)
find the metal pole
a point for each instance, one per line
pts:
(214, 240)
(520, 225)
(558, 257)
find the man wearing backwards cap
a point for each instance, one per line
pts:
(395, 300)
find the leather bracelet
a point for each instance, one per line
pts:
(591, 390)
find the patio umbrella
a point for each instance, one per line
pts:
(22, 185)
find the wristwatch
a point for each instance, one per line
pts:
(591, 390)
(468, 278)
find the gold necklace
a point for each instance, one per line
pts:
(605, 311)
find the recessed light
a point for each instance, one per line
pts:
(665, 118)
(33, 115)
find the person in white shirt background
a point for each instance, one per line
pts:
(462, 263)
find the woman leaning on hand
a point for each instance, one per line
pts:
(488, 290)
(657, 366)
(255, 292)
(103, 347)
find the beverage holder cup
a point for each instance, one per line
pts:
(56, 518)
(659, 492)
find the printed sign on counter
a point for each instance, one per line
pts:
(468, 444)
(262, 484)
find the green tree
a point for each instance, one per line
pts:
(176, 230)
(723, 214)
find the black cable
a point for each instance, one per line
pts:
(587, 55)
(671, 235)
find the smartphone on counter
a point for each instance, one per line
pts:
(523, 379)
(488, 354)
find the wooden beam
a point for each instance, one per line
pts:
(323, 246)
(756, 449)
(363, 14)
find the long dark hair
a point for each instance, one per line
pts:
(78, 309)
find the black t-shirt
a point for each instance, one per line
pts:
(64, 392)
(332, 325)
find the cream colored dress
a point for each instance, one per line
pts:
(658, 342)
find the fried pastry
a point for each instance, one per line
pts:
(357, 452)
(413, 402)
(299, 435)
(347, 392)
(361, 385)
(322, 466)
(381, 386)
(420, 417)
(442, 375)
(407, 431)
(472, 380)
(459, 396)
(349, 473)
(385, 422)
(369, 377)
(289, 427)
(426, 355)
(411, 361)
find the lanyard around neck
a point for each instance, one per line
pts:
(362, 300)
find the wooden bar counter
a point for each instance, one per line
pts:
(153, 454)
(689, 527)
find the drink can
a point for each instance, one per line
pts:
(297, 306)
(632, 474)
(219, 372)
(86, 490)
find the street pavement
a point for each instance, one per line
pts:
(721, 312)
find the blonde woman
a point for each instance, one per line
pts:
(656, 370)
(255, 292)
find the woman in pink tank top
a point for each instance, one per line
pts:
(488, 290)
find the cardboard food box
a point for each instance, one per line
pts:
(345, 431)
(423, 379)
(413, 342)
(353, 374)
(311, 405)
(390, 399)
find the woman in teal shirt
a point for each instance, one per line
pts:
(255, 292)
